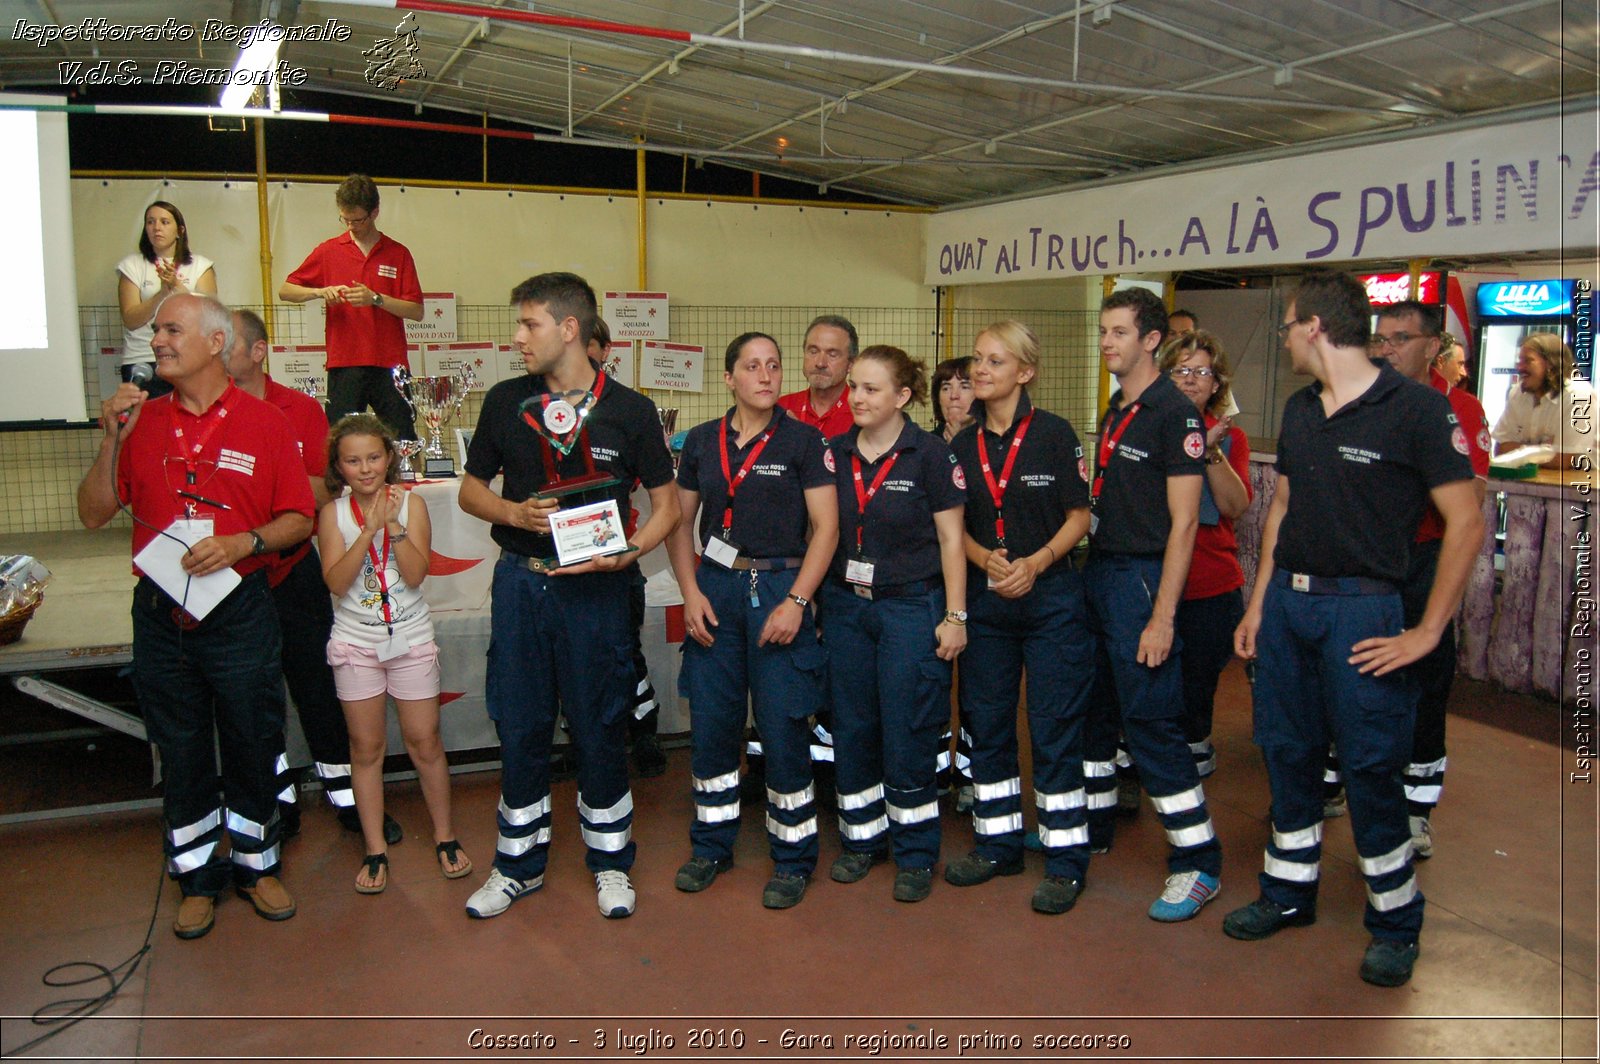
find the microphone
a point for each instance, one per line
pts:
(140, 375)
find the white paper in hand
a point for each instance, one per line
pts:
(162, 561)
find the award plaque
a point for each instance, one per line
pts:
(437, 399)
(592, 531)
(587, 525)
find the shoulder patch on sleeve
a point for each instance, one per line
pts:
(1194, 444)
(958, 477)
(1458, 440)
(827, 460)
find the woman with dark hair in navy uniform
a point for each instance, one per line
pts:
(764, 479)
(1029, 505)
(895, 600)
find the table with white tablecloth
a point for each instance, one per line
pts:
(457, 589)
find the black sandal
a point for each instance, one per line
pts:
(373, 864)
(450, 851)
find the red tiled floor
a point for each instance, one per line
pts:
(1509, 943)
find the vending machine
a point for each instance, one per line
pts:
(1507, 312)
(1384, 289)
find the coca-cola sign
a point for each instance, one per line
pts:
(1386, 288)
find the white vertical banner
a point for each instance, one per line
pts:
(294, 366)
(636, 315)
(678, 367)
(508, 357)
(619, 364)
(438, 324)
(446, 360)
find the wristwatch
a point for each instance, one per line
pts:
(377, 299)
(799, 601)
(257, 544)
(956, 616)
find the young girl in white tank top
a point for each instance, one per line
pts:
(374, 542)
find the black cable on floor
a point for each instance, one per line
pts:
(61, 1015)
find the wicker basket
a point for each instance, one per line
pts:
(13, 624)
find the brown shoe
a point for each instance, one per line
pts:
(269, 897)
(195, 916)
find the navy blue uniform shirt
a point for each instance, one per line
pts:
(1051, 477)
(898, 535)
(769, 506)
(1163, 437)
(624, 436)
(1359, 480)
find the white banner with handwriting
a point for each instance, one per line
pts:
(1525, 186)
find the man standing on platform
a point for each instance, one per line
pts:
(305, 611)
(1364, 450)
(218, 469)
(560, 635)
(368, 284)
(1408, 336)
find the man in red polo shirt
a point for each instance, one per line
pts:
(219, 469)
(830, 344)
(1408, 335)
(368, 283)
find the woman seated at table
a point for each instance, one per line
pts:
(1546, 405)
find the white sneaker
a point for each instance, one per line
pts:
(616, 894)
(1421, 837)
(498, 892)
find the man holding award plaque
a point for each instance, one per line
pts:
(570, 443)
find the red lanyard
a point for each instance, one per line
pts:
(380, 565)
(191, 456)
(734, 480)
(864, 494)
(1108, 445)
(997, 489)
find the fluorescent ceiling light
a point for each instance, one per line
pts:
(252, 69)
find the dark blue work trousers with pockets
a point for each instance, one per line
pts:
(1045, 633)
(891, 701)
(1122, 590)
(1306, 694)
(783, 685)
(560, 644)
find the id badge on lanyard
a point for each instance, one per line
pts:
(858, 571)
(721, 548)
(1108, 448)
(858, 574)
(721, 551)
(997, 488)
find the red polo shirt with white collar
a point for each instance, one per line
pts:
(248, 463)
(836, 421)
(362, 336)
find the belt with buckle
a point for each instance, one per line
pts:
(910, 589)
(533, 565)
(764, 565)
(1307, 584)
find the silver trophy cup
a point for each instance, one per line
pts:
(436, 400)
